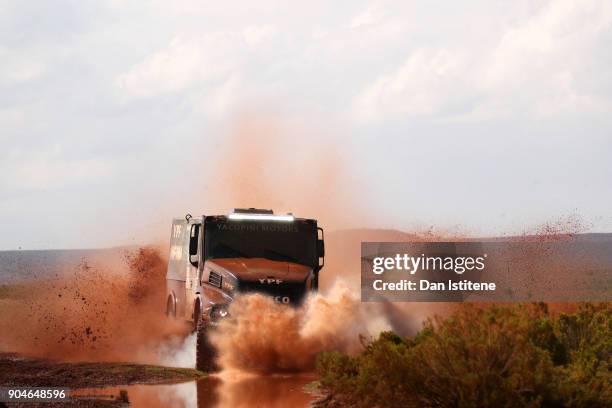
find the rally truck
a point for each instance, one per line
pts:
(215, 257)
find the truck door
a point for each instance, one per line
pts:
(175, 277)
(191, 267)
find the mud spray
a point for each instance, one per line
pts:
(100, 315)
(95, 314)
(266, 337)
(270, 163)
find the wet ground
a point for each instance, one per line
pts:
(18, 371)
(267, 391)
(134, 385)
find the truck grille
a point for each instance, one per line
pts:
(214, 279)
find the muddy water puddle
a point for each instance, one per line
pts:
(261, 391)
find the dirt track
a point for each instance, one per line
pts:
(25, 372)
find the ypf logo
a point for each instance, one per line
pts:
(270, 281)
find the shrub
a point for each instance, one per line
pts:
(586, 336)
(501, 356)
(338, 371)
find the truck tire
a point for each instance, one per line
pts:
(206, 354)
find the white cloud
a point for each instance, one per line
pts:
(254, 35)
(404, 66)
(222, 99)
(15, 67)
(180, 65)
(420, 86)
(542, 65)
(48, 170)
(552, 40)
(539, 65)
(373, 14)
(11, 118)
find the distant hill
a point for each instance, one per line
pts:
(19, 266)
(343, 252)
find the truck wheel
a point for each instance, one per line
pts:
(206, 355)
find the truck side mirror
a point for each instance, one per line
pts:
(320, 250)
(320, 243)
(193, 244)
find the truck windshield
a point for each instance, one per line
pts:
(291, 242)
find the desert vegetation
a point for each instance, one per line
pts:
(496, 356)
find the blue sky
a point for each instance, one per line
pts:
(486, 116)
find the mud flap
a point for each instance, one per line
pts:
(206, 354)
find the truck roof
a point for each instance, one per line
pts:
(253, 214)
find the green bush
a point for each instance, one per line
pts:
(586, 336)
(499, 356)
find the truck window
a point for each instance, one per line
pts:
(290, 242)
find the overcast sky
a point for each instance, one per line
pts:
(488, 116)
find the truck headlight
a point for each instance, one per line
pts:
(218, 312)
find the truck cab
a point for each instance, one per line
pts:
(213, 258)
